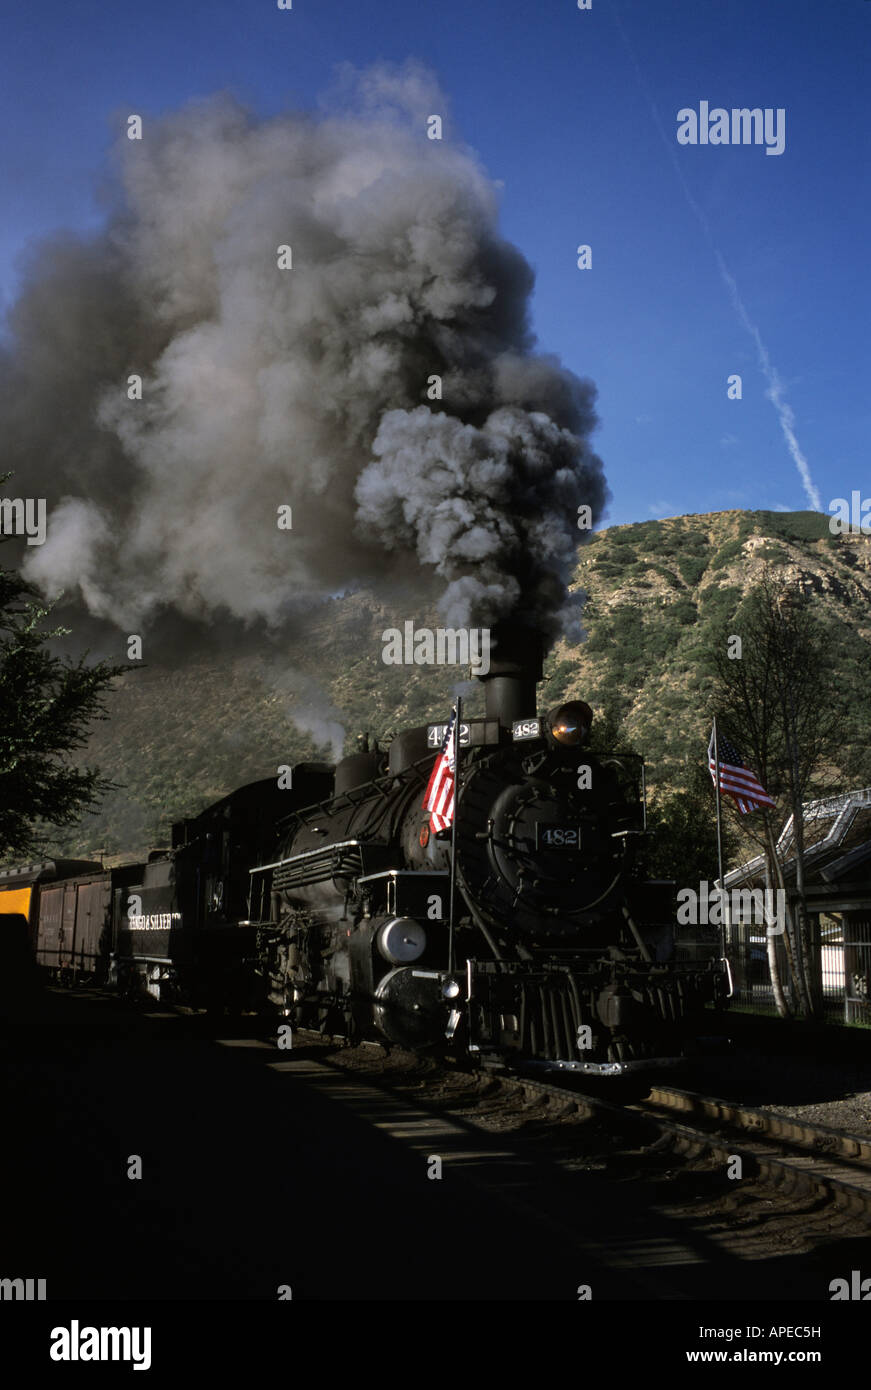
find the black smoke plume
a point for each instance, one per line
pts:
(306, 386)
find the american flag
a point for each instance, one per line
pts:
(439, 799)
(736, 780)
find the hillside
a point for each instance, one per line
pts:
(656, 590)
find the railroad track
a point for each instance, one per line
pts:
(775, 1148)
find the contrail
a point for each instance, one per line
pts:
(785, 413)
(775, 389)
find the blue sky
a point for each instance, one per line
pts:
(562, 107)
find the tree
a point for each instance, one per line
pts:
(608, 731)
(682, 830)
(46, 705)
(780, 704)
(681, 840)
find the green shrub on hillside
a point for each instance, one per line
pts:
(726, 554)
(716, 604)
(692, 567)
(683, 611)
(646, 533)
(795, 526)
(694, 543)
(668, 575)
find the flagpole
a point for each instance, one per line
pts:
(720, 848)
(453, 888)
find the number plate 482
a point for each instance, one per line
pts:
(557, 836)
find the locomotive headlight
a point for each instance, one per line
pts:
(569, 724)
(401, 940)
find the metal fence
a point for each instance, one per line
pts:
(843, 968)
(846, 972)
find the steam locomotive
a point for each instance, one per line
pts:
(547, 946)
(526, 933)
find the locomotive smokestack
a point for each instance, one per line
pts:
(515, 670)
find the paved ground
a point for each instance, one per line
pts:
(262, 1168)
